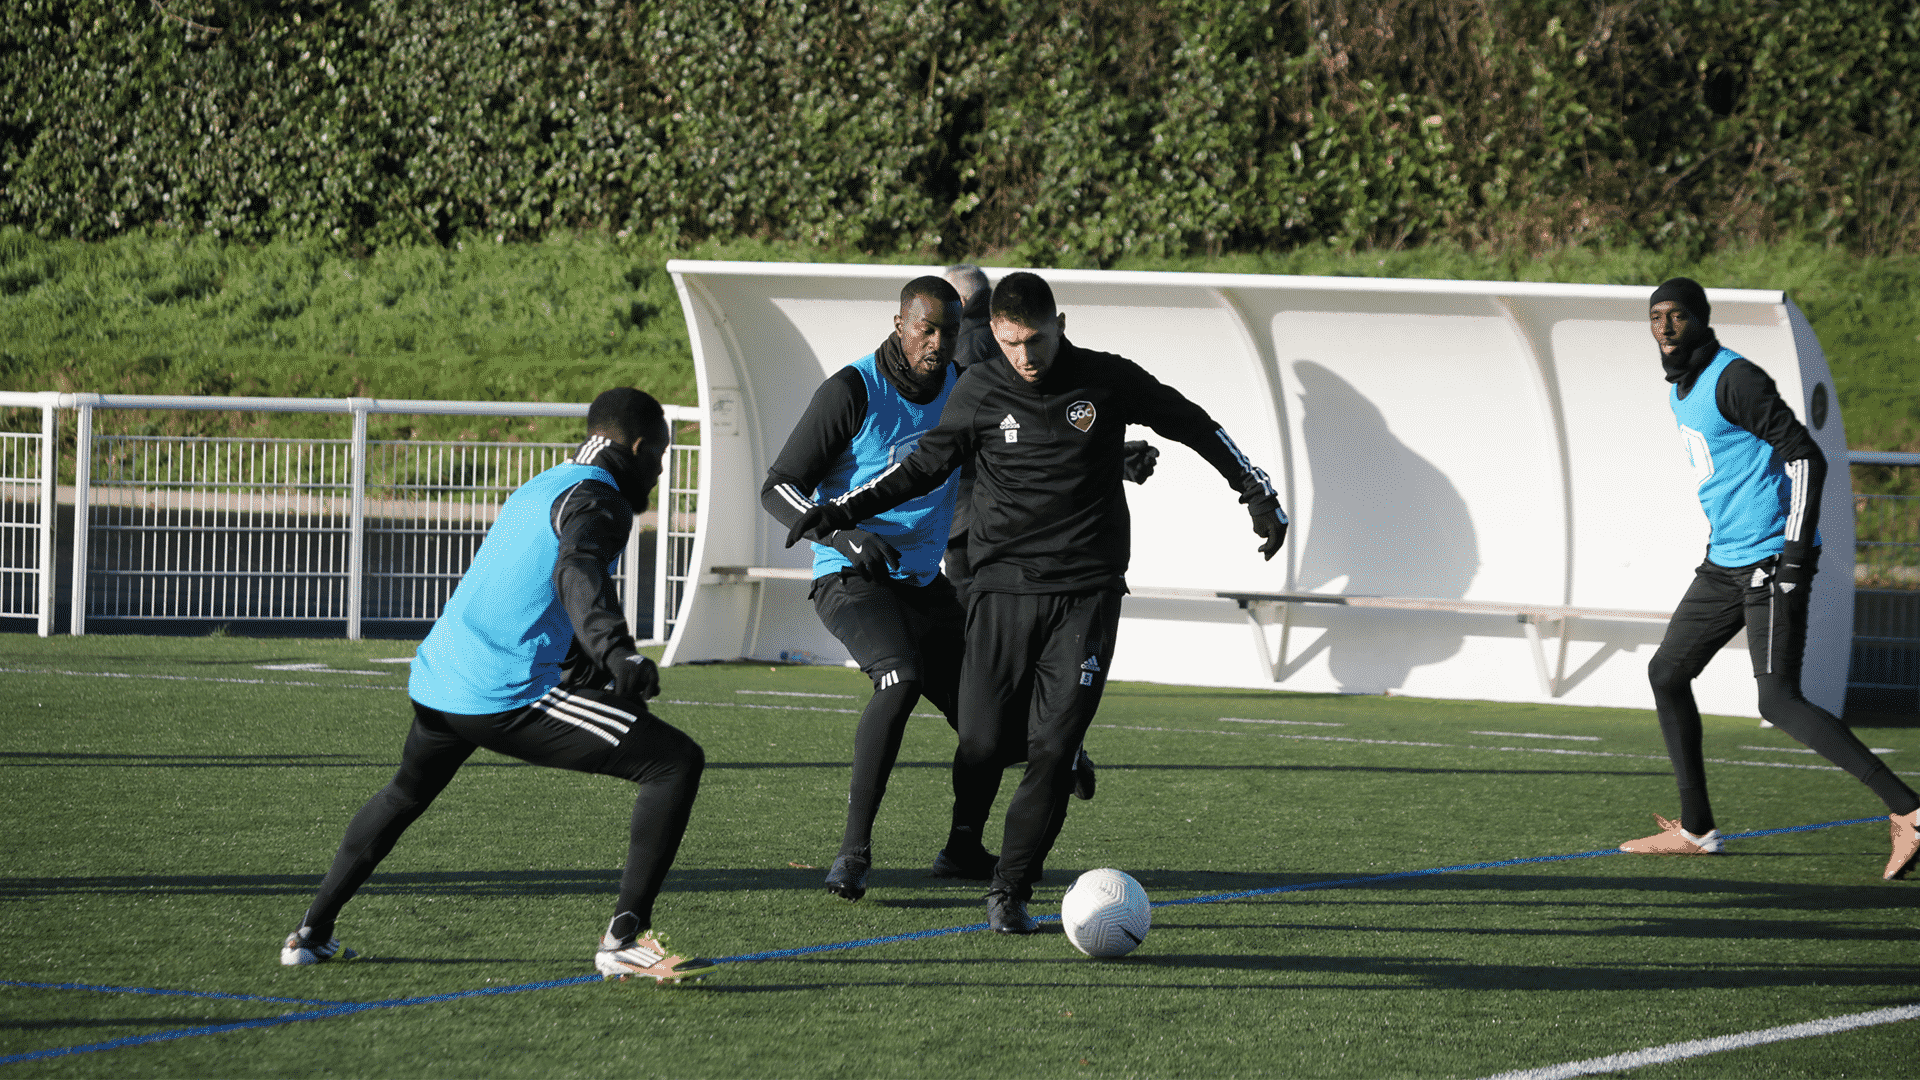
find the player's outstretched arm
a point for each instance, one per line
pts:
(940, 452)
(1168, 412)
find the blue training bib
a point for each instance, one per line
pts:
(1743, 490)
(499, 642)
(892, 428)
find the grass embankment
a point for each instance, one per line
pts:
(559, 320)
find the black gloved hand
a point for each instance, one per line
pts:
(823, 518)
(872, 557)
(1792, 573)
(635, 677)
(1272, 527)
(1139, 459)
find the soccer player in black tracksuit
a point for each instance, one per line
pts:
(531, 658)
(976, 344)
(1050, 542)
(1759, 475)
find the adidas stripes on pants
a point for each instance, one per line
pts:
(1720, 602)
(589, 731)
(1036, 666)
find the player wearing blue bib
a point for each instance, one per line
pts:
(1759, 474)
(878, 586)
(531, 658)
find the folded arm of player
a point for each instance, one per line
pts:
(925, 469)
(1748, 397)
(592, 521)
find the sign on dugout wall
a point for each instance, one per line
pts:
(1487, 472)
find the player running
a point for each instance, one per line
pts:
(878, 587)
(1760, 475)
(531, 658)
(1050, 542)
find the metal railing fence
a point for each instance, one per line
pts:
(249, 528)
(27, 473)
(1886, 604)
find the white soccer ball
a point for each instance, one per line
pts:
(1105, 913)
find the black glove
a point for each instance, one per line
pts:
(1272, 527)
(635, 677)
(823, 518)
(872, 557)
(1140, 456)
(1792, 573)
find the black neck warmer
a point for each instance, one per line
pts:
(1683, 367)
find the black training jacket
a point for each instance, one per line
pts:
(592, 521)
(1048, 514)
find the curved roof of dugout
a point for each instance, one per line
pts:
(1493, 447)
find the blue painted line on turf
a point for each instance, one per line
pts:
(350, 1008)
(155, 991)
(1216, 898)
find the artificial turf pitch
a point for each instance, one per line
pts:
(170, 804)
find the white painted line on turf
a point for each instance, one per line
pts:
(1802, 750)
(1660, 1055)
(317, 669)
(1296, 723)
(795, 693)
(193, 678)
(1535, 735)
(1465, 746)
(751, 705)
(391, 660)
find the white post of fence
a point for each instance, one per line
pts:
(663, 544)
(357, 516)
(630, 584)
(49, 472)
(82, 516)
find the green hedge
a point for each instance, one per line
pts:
(1083, 131)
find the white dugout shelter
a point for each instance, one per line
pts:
(1489, 495)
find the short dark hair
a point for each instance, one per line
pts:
(1024, 298)
(625, 415)
(937, 289)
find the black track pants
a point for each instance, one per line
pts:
(907, 639)
(1717, 605)
(1036, 667)
(576, 730)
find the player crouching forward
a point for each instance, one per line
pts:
(531, 658)
(1760, 475)
(1050, 540)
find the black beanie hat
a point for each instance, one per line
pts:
(1688, 294)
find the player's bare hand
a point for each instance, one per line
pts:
(1272, 527)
